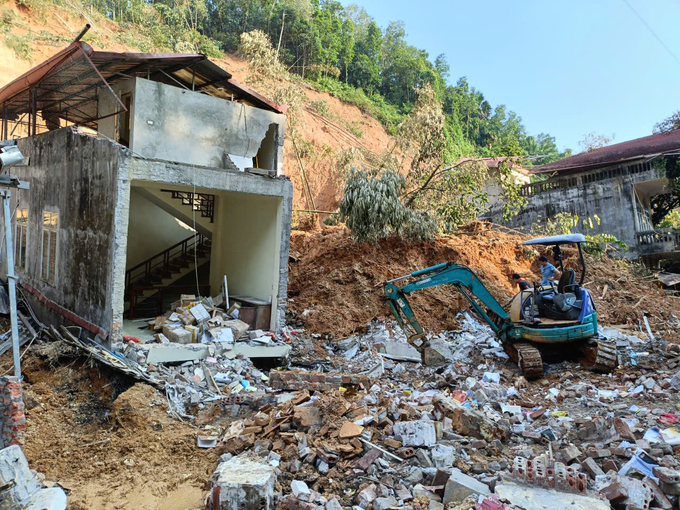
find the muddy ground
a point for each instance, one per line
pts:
(107, 440)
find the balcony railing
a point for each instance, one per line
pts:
(658, 241)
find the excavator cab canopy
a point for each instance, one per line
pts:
(557, 240)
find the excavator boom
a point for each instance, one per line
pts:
(461, 277)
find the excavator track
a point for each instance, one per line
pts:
(527, 357)
(599, 355)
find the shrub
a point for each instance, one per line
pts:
(8, 18)
(355, 129)
(21, 45)
(372, 209)
(257, 48)
(321, 107)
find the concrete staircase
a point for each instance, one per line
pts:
(160, 271)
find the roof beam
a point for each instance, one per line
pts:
(74, 81)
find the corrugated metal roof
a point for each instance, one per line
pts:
(644, 147)
(68, 83)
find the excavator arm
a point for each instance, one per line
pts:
(460, 277)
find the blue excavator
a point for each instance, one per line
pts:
(555, 322)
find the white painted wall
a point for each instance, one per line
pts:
(175, 124)
(246, 245)
(151, 230)
(181, 211)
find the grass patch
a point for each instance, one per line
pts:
(50, 38)
(387, 114)
(355, 129)
(8, 18)
(21, 44)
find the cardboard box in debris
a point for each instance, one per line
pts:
(201, 320)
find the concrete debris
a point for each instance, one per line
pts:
(531, 498)
(437, 353)
(415, 433)
(459, 486)
(20, 488)
(400, 351)
(242, 483)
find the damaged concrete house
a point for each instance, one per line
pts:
(142, 168)
(615, 183)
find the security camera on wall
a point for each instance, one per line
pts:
(10, 155)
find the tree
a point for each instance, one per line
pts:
(372, 208)
(663, 204)
(667, 125)
(453, 194)
(346, 47)
(593, 141)
(366, 64)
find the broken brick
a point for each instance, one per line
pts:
(307, 417)
(350, 430)
(368, 459)
(615, 493)
(623, 430)
(591, 467)
(609, 465)
(392, 443)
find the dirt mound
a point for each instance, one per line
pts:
(335, 285)
(112, 444)
(133, 408)
(629, 296)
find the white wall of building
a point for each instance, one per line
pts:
(151, 229)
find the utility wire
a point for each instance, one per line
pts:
(670, 52)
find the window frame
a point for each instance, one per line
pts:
(21, 263)
(53, 232)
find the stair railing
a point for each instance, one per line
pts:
(161, 301)
(161, 262)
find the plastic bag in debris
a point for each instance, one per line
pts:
(494, 377)
(641, 463)
(607, 394)
(653, 435)
(671, 435)
(668, 419)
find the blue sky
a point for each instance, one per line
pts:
(567, 68)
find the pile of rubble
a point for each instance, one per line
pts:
(201, 354)
(372, 427)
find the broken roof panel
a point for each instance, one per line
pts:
(67, 85)
(648, 146)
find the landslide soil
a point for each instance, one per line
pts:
(108, 441)
(335, 285)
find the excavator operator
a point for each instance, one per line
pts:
(547, 271)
